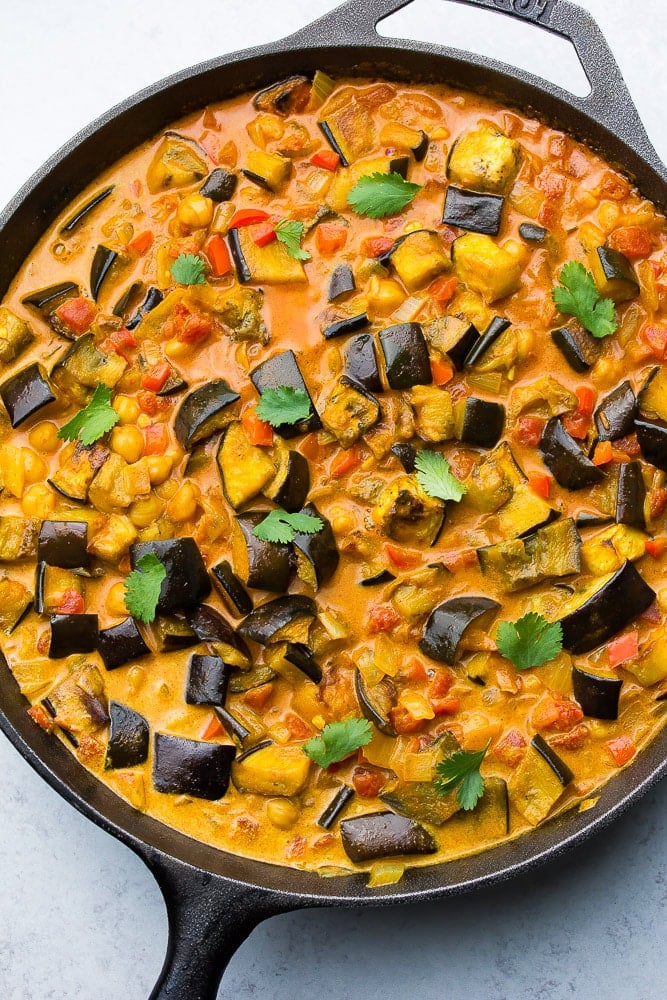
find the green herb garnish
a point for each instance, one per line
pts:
(188, 269)
(529, 642)
(580, 298)
(461, 772)
(338, 740)
(93, 421)
(290, 233)
(283, 405)
(142, 587)
(279, 526)
(436, 478)
(377, 195)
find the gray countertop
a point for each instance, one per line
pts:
(80, 916)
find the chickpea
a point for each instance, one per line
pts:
(177, 350)
(115, 601)
(35, 468)
(343, 521)
(127, 409)
(195, 211)
(136, 677)
(128, 442)
(144, 512)
(38, 501)
(183, 504)
(282, 813)
(159, 468)
(44, 437)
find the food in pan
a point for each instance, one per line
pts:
(333, 461)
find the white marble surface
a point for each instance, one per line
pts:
(80, 917)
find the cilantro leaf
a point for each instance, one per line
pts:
(377, 195)
(290, 234)
(188, 269)
(461, 772)
(142, 587)
(581, 299)
(283, 405)
(529, 642)
(436, 478)
(93, 421)
(279, 526)
(338, 740)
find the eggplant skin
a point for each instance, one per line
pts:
(128, 737)
(205, 411)
(406, 356)
(209, 626)
(598, 696)
(652, 438)
(26, 392)
(190, 767)
(565, 459)
(73, 634)
(231, 588)
(615, 416)
(187, 582)
(384, 835)
(63, 544)
(447, 623)
(262, 623)
(121, 643)
(607, 611)
(208, 680)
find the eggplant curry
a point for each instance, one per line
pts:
(333, 455)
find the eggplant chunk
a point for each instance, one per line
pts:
(232, 590)
(18, 537)
(434, 413)
(102, 266)
(484, 160)
(565, 459)
(614, 274)
(652, 438)
(64, 544)
(187, 582)
(271, 264)
(376, 701)
(188, 767)
(291, 480)
(302, 657)
(209, 626)
(176, 163)
(15, 336)
(552, 551)
(317, 554)
(151, 300)
(406, 453)
(272, 770)
(220, 185)
(605, 609)
(335, 807)
(72, 634)
(489, 820)
(119, 644)
(84, 210)
(578, 347)
(406, 356)
(652, 398)
(283, 370)
(128, 737)
(630, 495)
(269, 621)
(538, 782)
(26, 393)
(205, 411)
(615, 416)
(448, 623)
(407, 514)
(597, 695)
(453, 336)
(74, 477)
(259, 564)
(208, 680)
(288, 97)
(344, 326)
(419, 800)
(341, 283)
(481, 422)
(349, 412)
(244, 468)
(81, 368)
(172, 633)
(384, 835)
(478, 213)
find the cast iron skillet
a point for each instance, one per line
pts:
(214, 900)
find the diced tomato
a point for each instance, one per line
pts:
(445, 706)
(414, 670)
(633, 241)
(345, 461)
(382, 618)
(375, 246)
(264, 234)
(540, 483)
(211, 144)
(657, 499)
(156, 378)
(603, 454)
(556, 713)
(78, 314)
(326, 158)
(330, 237)
(443, 289)
(458, 559)
(217, 255)
(39, 715)
(136, 187)
(442, 371)
(310, 446)
(655, 338)
(528, 431)
(156, 437)
(257, 698)
(440, 684)
(213, 729)
(367, 782)
(247, 217)
(574, 740)
(577, 424)
(622, 749)
(142, 243)
(259, 431)
(71, 603)
(119, 342)
(511, 749)
(403, 558)
(148, 402)
(403, 722)
(297, 727)
(614, 186)
(192, 327)
(623, 648)
(655, 547)
(586, 396)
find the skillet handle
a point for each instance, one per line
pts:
(609, 101)
(209, 918)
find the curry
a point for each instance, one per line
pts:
(333, 458)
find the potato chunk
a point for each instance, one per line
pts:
(487, 268)
(419, 258)
(434, 413)
(485, 160)
(273, 770)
